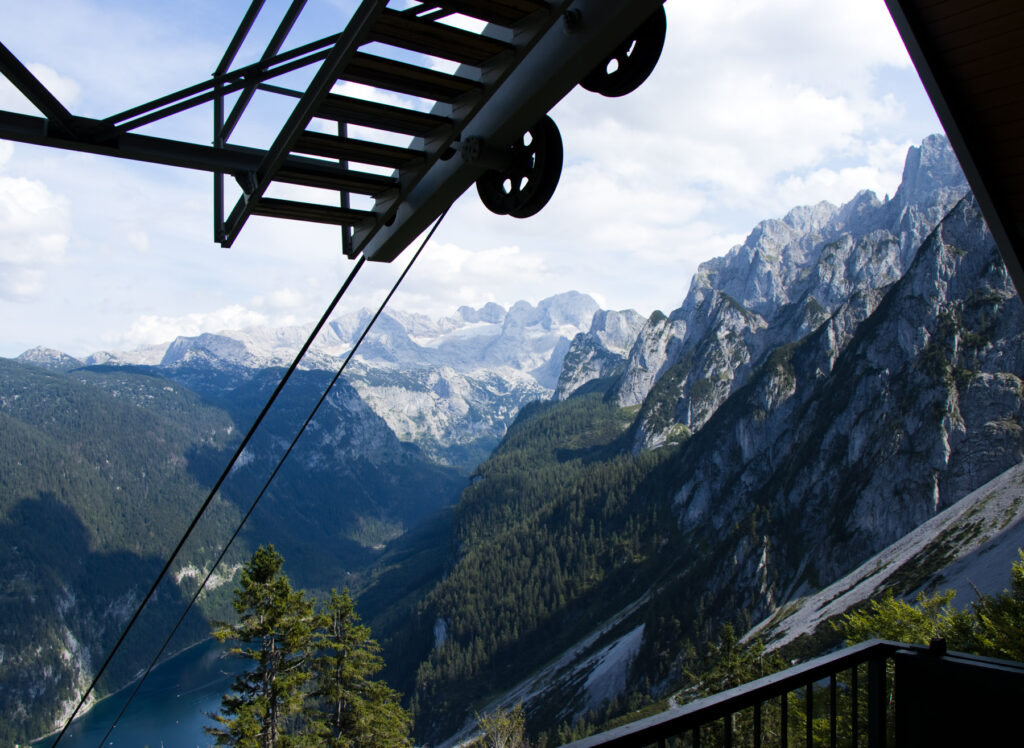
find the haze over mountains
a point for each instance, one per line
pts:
(824, 389)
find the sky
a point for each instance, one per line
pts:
(756, 106)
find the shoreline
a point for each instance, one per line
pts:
(100, 700)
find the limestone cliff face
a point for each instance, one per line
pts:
(842, 442)
(787, 279)
(830, 385)
(836, 443)
(600, 352)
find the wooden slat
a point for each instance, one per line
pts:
(966, 71)
(970, 29)
(310, 212)
(1008, 113)
(506, 13)
(1006, 141)
(335, 178)
(1009, 100)
(401, 77)
(436, 39)
(380, 116)
(993, 83)
(983, 47)
(359, 151)
(958, 12)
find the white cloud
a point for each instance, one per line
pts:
(283, 299)
(66, 90)
(19, 283)
(33, 236)
(448, 276)
(138, 239)
(33, 222)
(880, 170)
(159, 329)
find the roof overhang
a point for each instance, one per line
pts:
(970, 56)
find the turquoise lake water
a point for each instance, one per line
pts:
(169, 710)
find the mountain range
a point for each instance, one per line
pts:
(824, 389)
(551, 504)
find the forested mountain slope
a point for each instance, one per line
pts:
(101, 471)
(95, 485)
(149, 431)
(771, 450)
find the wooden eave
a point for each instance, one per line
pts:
(970, 56)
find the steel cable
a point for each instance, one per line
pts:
(277, 468)
(213, 492)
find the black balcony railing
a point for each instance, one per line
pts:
(878, 693)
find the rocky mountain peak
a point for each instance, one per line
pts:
(617, 331)
(856, 217)
(569, 308)
(931, 175)
(805, 219)
(450, 385)
(788, 277)
(600, 352)
(206, 346)
(490, 312)
(48, 358)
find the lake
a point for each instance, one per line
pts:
(169, 710)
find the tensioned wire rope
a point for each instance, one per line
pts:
(227, 470)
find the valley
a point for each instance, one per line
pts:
(550, 504)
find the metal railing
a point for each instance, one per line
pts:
(878, 693)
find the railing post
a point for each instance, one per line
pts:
(757, 725)
(784, 720)
(854, 701)
(833, 711)
(876, 702)
(809, 720)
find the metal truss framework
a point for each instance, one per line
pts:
(528, 56)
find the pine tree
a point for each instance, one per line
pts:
(1000, 618)
(275, 630)
(355, 711)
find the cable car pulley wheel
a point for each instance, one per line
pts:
(632, 61)
(528, 181)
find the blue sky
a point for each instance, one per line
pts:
(755, 107)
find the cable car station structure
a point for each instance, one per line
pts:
(487, 124)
